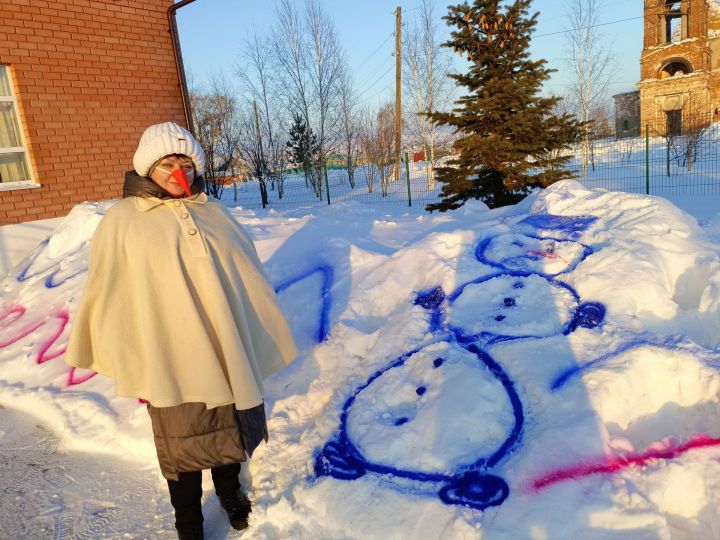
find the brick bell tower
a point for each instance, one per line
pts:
(680, 64)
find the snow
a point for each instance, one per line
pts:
(547, 370)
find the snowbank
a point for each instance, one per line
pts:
(548, 370)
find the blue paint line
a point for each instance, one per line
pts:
(709, 358)
(475, 490)
(470, 485)
(483, 245)
(573, 226)
(51, 281)
(514, 438)
(579, 318)
(328, 276)
(432, 300)
(347, 448)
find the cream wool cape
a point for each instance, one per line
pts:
(177, 307)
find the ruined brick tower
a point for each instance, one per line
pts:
(680, 64)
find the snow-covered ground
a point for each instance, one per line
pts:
(544, 371)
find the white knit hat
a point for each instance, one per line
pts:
(160, 140)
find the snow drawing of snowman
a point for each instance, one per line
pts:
(405, 405)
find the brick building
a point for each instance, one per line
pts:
(679, 65)
(79, 81)
(627, 114)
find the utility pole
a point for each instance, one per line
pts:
(398, 88)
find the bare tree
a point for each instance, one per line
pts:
(385, 141)
(257, 76)
(683, 146)
(590, 60)
(366, 140)
(252, 149)
(308, 58)
(215, 120)
(426, 66)
(348, 124)
(290, 50)
(325, 75)
(377, 141)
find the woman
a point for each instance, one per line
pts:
(177, 310)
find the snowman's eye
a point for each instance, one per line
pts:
(401, 421)
(518, 285)
(438, 362)
(509, 302)
(420, 390)
(500, 318)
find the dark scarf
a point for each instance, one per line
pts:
(142, 186)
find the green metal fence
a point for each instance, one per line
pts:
(415, 187)
(686, 162)
(658, 162)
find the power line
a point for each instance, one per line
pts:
(603, 6)
(572, 84)
(375, 82)
(587, 27)
(378, 48)
(386, 88)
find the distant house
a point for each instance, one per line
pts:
(79, 82)
(680, 64)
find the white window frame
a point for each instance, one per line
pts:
(12, 98)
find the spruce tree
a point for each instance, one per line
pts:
(303, 147)
(508, 137)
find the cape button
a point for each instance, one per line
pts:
(177, 203)
(192, 232)
(185, 215)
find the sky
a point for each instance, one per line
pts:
(212, 33)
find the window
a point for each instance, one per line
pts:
(13, 155)
(675, 67)
(673, 26)
(674, 122)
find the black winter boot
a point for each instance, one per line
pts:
(238, 508)
(190, 533)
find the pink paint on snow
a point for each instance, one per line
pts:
(13, 314)
(73, 380)
(547, 255)
(43, 355)
(613, 464)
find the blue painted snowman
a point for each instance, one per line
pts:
(400, 422)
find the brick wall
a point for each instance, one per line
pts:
(89, 76)
(699, 92)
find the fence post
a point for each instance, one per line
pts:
(647, 159)
(327, 184)
(407, 177)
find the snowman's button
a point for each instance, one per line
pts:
(401, 421)
(500, 318)
(420, 390)
(438, 362)
(509, 302)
